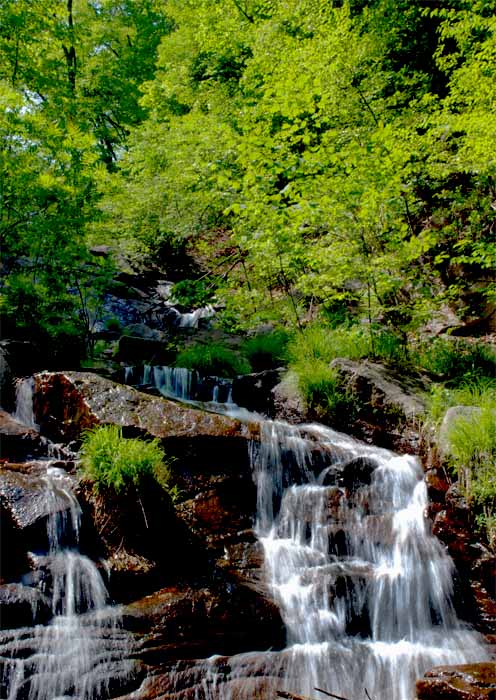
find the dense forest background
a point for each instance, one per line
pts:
(316, 157)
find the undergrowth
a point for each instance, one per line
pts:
(266, 350)
(472, 444)
(111, 461)
(213, 359)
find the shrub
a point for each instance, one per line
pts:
(266, 350)
(113, 324)
(213, 359)
(111, 461)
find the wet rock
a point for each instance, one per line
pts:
(289, 403)
(66, 404)
(7, 392)
(357, 472)
(22, 606)
(466, 682)
(437, 484)
(386, 403)
(254, 391)
(24, 495)
(192, 621)
(19, 442)
(138, 534)
(13, 549)
(248, 676)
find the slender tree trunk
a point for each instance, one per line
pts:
(70, 52)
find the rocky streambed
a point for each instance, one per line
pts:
(188, 579)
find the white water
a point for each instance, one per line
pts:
(193, 318)
(185, 385)
(82, 651)
(24, 402)
(363, 587)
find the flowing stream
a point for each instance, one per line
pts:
(363, 586)
(82, 651)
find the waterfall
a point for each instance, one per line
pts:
(193, 318)
(24, 402)
(363, 586)
(82, 652)
(183, 384)
(174, 382)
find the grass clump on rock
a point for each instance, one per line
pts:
(111, 461)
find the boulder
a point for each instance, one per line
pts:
(68, 403)
(24, 495)
(195, 620)
(22, 606)
(254, 391)
(388, 407)
(19, 442)
(466, 682)
(138, 534)
(289, 402)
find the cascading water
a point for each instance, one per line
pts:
(363, 587)
(24, 402)
(82, 653)
(183, 384)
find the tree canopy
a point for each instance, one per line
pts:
(335, 154)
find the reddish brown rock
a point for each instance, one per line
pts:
(68, 403)
(195, 620)
(467, 682)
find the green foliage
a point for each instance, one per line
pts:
(477, 391)
(472, 442)
(111, 461)
(213, 359)
(454, 359)
(266, 350)
(113, 324)
(194, 294)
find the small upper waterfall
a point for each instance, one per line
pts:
(82, 651)
(181, 383)
(24, 402)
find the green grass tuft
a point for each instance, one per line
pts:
(213, 359)
(266, 350)
(111, 461)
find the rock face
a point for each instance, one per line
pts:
(66, 404)
(196, 621)
(469, 682)
(476, 566)
(387, 407)
(18, 441)
(254, 391)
